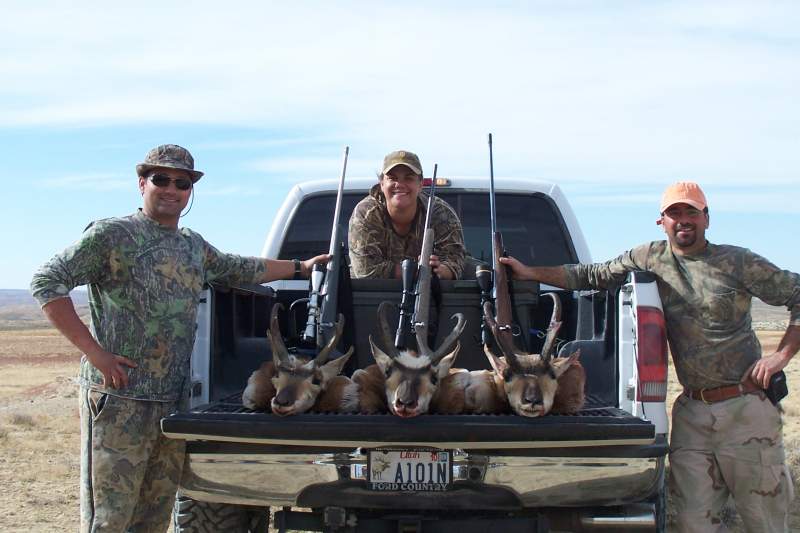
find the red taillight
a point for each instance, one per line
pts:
(651, 351)
(440, 182)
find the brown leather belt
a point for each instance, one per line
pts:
(723, 393)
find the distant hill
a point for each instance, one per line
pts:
(19, 310)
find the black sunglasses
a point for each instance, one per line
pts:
(162, 180)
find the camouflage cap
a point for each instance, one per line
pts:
(169, 156)
(402, 157)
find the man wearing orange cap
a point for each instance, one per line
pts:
(726, 435)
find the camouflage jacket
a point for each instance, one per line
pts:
(144, 284)
(375, 248)
(706, 300)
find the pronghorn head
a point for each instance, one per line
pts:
(412, 378)
(530, 380)
(298, 379)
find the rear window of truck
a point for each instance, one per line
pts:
(533, 230)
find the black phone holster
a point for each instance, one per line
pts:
(777, 389)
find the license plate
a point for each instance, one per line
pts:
(412, 470)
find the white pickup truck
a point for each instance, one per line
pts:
(601, 469)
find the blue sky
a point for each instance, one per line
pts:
(611, 100)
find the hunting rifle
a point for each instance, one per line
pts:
(493, 283)
(323, 296)
(421, 295)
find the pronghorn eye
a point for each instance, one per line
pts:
(315, 380)
(434, 379)
(507, 374)
(388, 372)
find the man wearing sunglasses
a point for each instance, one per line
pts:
(144, 276)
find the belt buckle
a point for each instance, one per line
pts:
(702, 397)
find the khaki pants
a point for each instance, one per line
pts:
(129, 470)
(733, 447)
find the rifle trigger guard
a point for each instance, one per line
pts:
(296, 302)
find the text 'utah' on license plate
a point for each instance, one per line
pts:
(409, 469)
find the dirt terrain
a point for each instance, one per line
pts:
(39, 436)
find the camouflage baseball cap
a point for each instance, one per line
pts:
(402, 157)
(169, 156)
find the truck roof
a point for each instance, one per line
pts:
(457, 183)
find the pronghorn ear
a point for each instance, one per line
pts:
(561, 364)
(442, 368)
(383, 360)
(333, 368)
(499, 364)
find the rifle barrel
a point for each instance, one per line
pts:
(493, 217)
(325, 284)
(338, 209)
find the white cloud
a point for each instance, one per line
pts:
(90, 182)
(581, 90)
(233, 190)
(721, 199)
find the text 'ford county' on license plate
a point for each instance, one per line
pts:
(409, 470)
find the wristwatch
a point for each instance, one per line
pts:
(298, 271)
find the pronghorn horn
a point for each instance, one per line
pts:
(422, 341)
(508, 351)
(322, 356)
(279, 350)
(447, 343)
(552, 329)
(386, 334)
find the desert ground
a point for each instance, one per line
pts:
(39, 436)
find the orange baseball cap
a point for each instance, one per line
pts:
(683, 192)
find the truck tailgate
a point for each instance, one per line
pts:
(229, 421)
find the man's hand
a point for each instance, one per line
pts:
(112, 367)
(765, 367)
(518, 270)
(552, 275)
(307, 265)
(443, 271)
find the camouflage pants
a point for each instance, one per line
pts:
(733, 447)
(129, 470)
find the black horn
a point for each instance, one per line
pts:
(386, 334)
(322, 356)
(279, 350)
(552, 329)
(508, 351)
(451, 339)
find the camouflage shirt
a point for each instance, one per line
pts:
(144, 286)
(375, 247)
(706, 300)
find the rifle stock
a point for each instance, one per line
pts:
(323, 297)
(502, 294)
